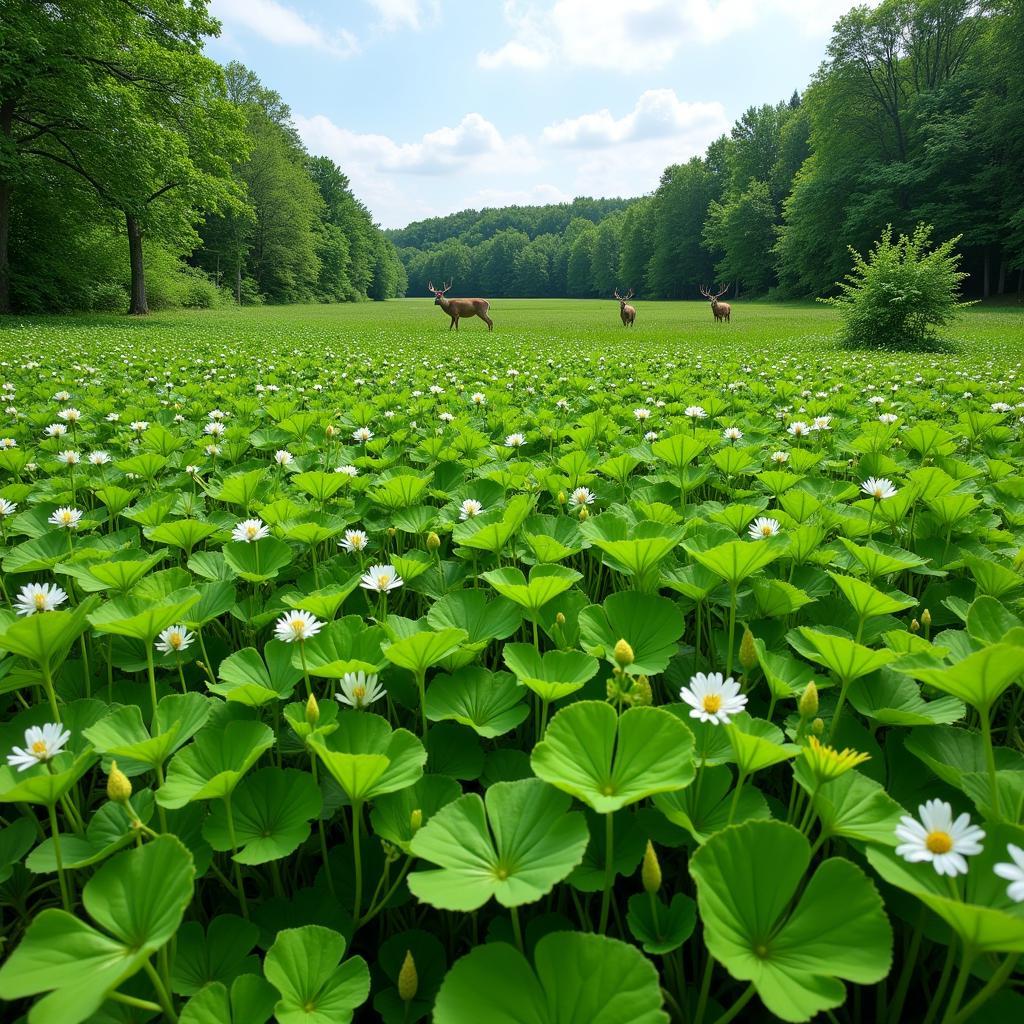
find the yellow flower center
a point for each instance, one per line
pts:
(39, 748)
(938, 841)
(359, 692)
(65, 517)
(298, 625)
(383, 580)
(712, 703)
(250, 531)
(40, 600)
(174, 640)
(766, 530)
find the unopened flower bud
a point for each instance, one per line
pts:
(330, 430)
(623, 654)
(640, 694)
(808, 704)
(433, 541)
(561, 501)
(312, 712)
(650, 872)
(748, 652)
(391, 531)
(915, 626)
(416, 820)
(119, 787)
(560, 619)
(408, 982)
(818, 726)
(926, 618)
(584, 514)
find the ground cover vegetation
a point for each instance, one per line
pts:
(355, 670)
(913, 117)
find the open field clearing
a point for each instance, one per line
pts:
(355, 669)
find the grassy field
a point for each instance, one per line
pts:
(672, 330)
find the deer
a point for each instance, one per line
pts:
(627, 312)
(457, 308)
(721, 310)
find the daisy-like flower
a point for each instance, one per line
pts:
(1000, 407)
(651, 435)
(69, 458)
(62, 396)
(478, 398)
(354, 540)
(642, 414)
(581, 496)
(732, 433)
(878, 488)
(876, 400)
(1013, 872)
(99, 458)
(66, 517)
(562, 404)
(695, 412)
(938, 838)
(358, 690)
(446, 417)
(827, 763)
(713, 700)
(764, 526)
(192, 470)
(139, 425)
(470, 508)
(362, 435)
(799, 429)
(779, 458)
(212, 449)
(215, 428)
(113, 417)
(297, 625)
(249, 530)
(174, 639)
(7, 508)
(216, 414)
(515, 441)
(42, 743)
(56, 430)
(283, 457)
(347, 470)
(822, 423)
(887, 418)
(7, 442)
(38, 597)
(381, 578)
(70, 415)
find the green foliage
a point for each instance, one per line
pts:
(903, 290)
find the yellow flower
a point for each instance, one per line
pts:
(827, 763)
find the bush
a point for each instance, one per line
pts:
(898, 294)
(107, 297)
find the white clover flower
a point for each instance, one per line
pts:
(799, 429)
(283, 457)
(56, 430)
(70, 415)
(581, 496)
(732, 433)
(763, 527)
(362, 434)
(191, 470)
(139, 425)
(1013, 872)
(562, 404)
(214, 429)
(347, 470)
(876, 400)
(515, 441)
(7, 507)
(358, 690)
(42, 743)
(69, 458)
(297, 625)
(354, 540)
(822, 423)
(61, 396)
(887, 418)
(780, 457)
(216, 414)
(99, 458)
(713, 700)
(249, 530)
(381, 578)
(651, 435)
(66, 517)
(7, 442)
(38, 597)
(642, 414)
(446, 417)
(113, 417)
(174, 639)
(695, 412)
(878, 488)
(470, 508)
(478, 398)
(212, 450)
(938, 838)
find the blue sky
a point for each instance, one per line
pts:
(432, 106)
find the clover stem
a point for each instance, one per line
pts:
(734, 803)
(181, 674)
(139, 1004)
(323, 834)
(990, 760)
(234, 849)
(150, 672)
(55, 834)
(50, 692)
(989, 989)
(960, 985)
(895, 1014)
(421, 685)
(357, 856)
(609, 871)
(705, 988)
(843, 687)
(939, 992)
(732, 630)
(516, 929)
(733, 1010)
(161, 992)
(161, 813)
(305, 670)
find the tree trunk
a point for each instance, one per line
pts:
(138, 306)
(5, 266)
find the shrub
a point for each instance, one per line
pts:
(897, 295)
(107, 297)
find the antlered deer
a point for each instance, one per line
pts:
(721, 310)
(457, 308)
(627, 312)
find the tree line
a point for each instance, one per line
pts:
(135, 171)
(916, 115)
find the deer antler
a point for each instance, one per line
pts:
(722, 292)
(630, 295)
(430, 287)
(704, 292)
(446, 287)
(617, 295)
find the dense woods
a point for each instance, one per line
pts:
(136, 172)
(915, 115)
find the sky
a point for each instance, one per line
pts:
(433, 106)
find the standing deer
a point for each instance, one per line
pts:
(721, 310)
(457, 308)
(627, 312)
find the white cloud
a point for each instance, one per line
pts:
(640, 35)
(284, 26)
(658, 114)
(413, 14)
